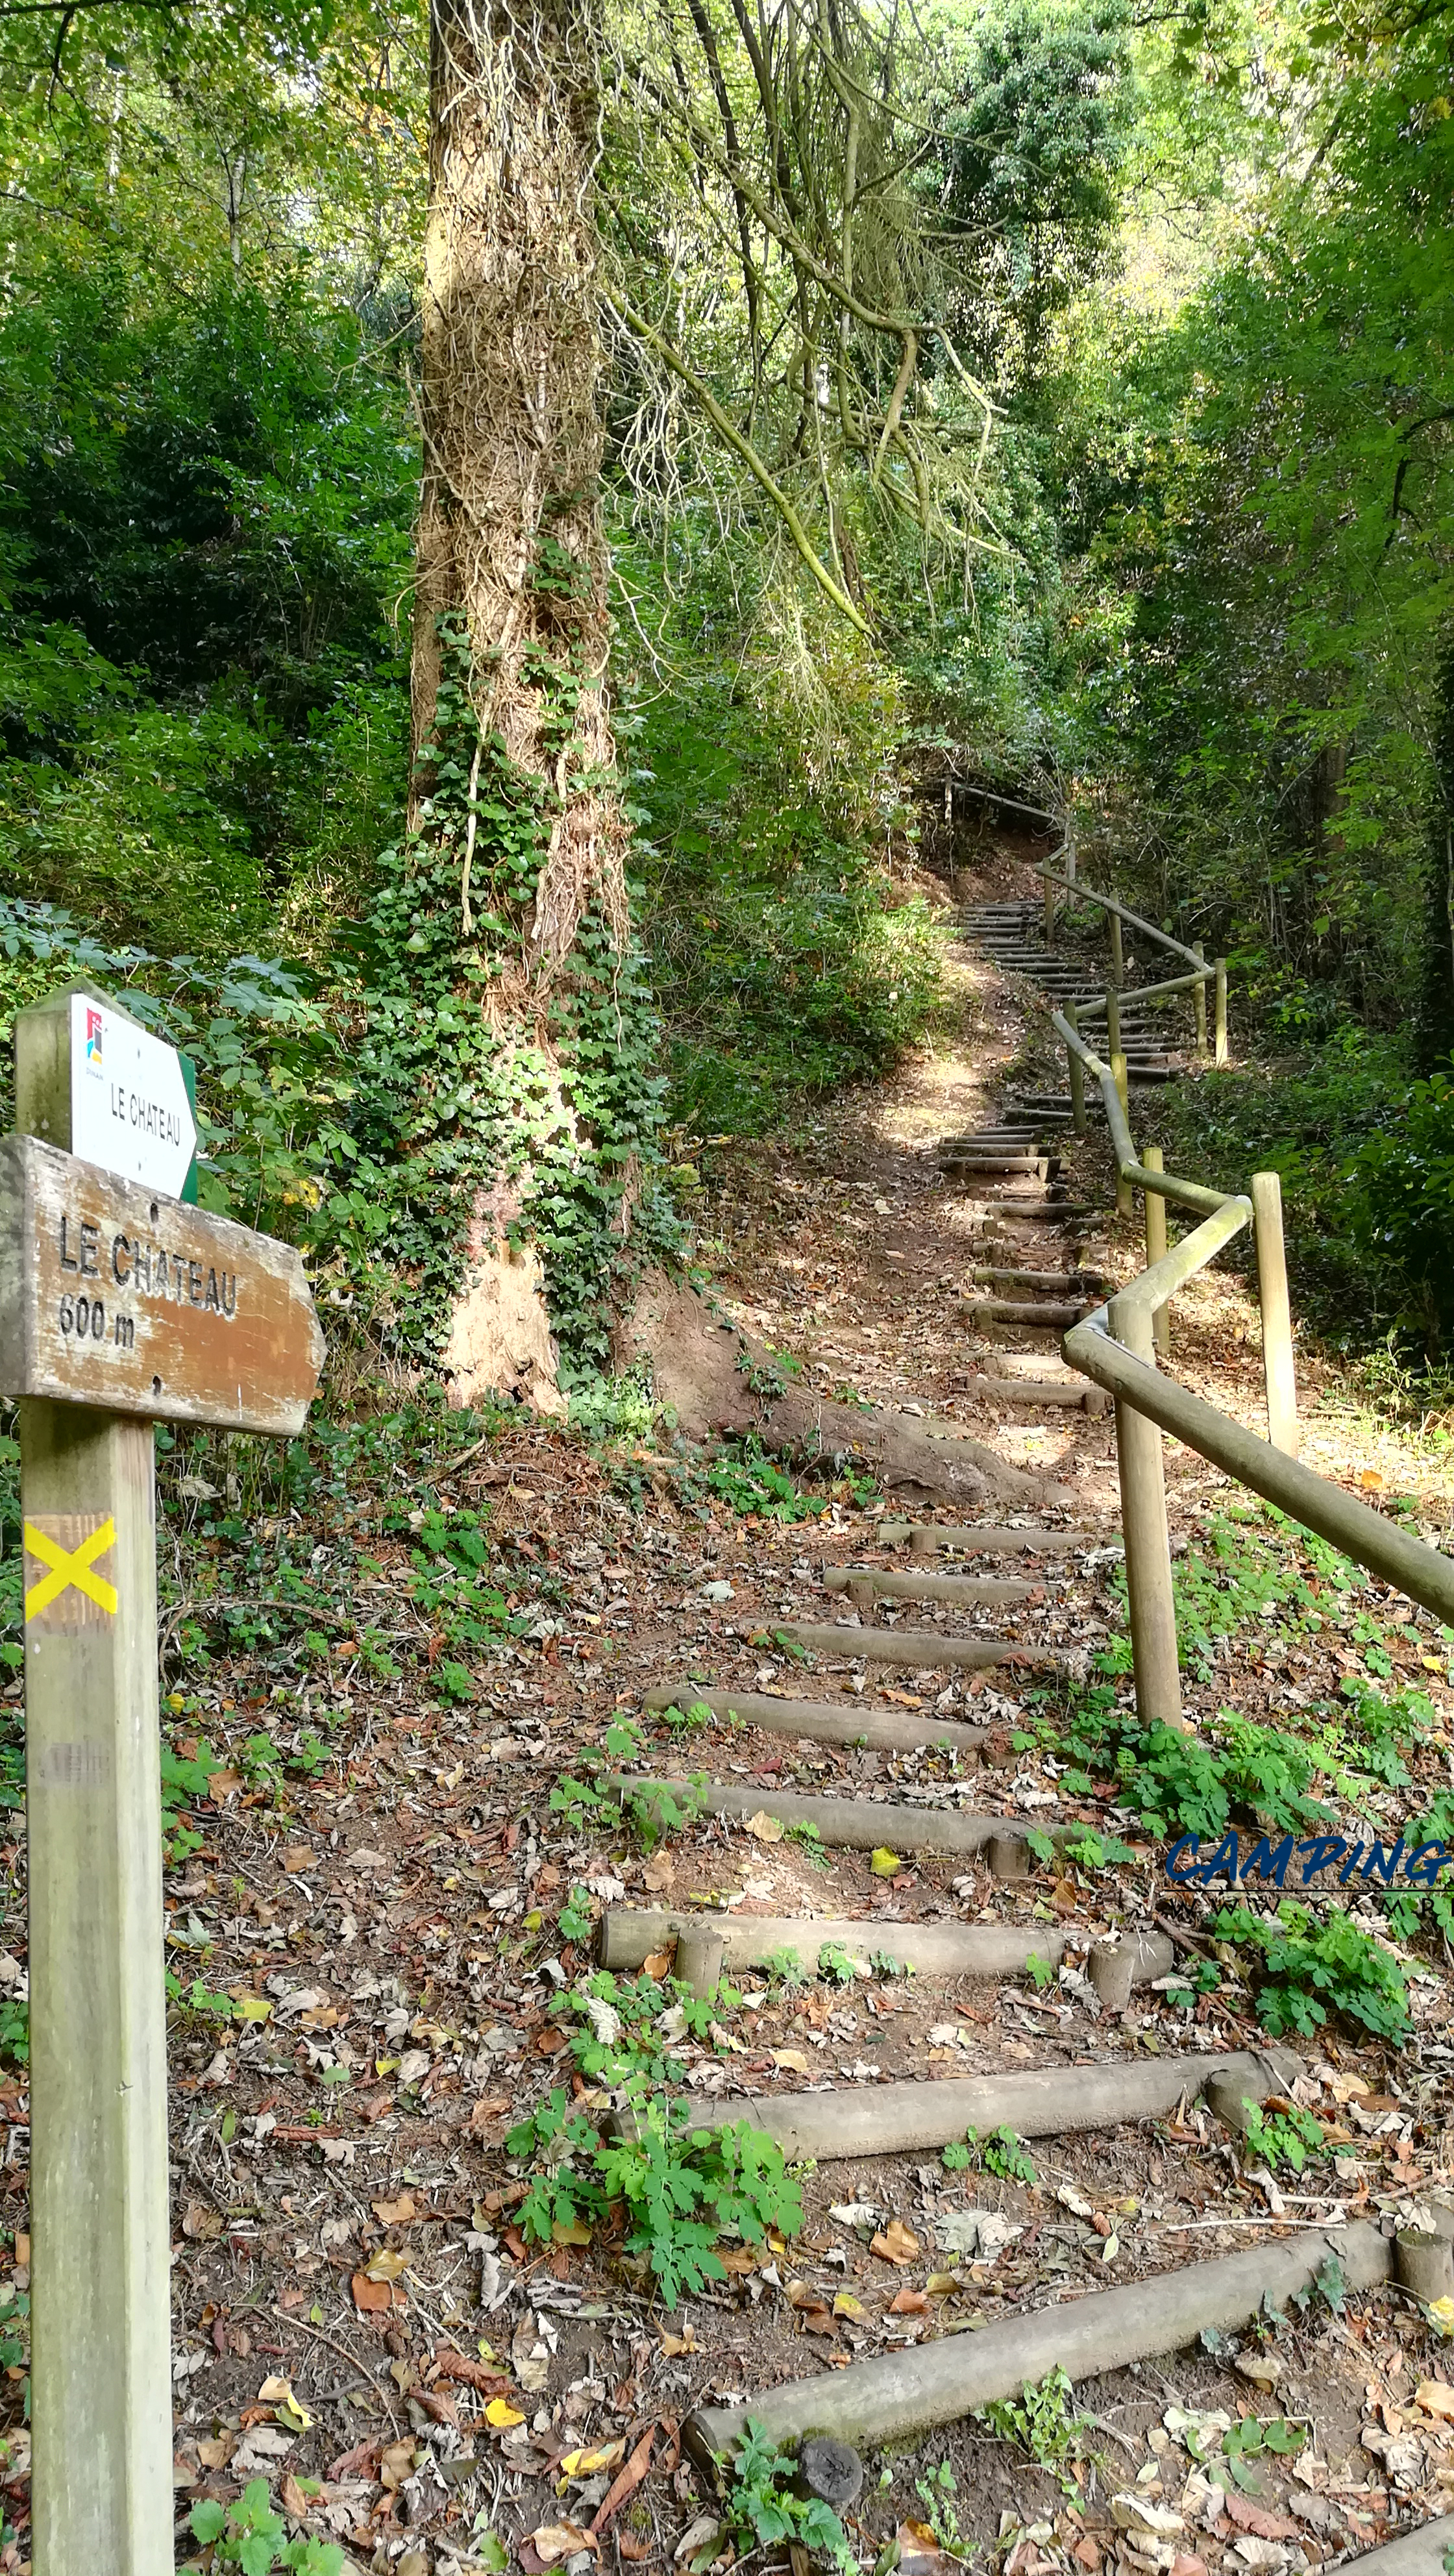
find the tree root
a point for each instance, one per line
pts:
(724, 1382)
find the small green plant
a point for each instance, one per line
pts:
(249, 2535)
(1043, 2422)
(1249, 2440)
(1304, 1968)
(1003, 2152)
(681, 2189)
(810, 1841)
(936, 2493)
(1040, 1972)
(1283, 2137)
(785, 1971)
(761, 2510)
(835, 1963)
(14, 2031)
(575, 1918)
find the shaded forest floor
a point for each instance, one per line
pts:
(382, 1903)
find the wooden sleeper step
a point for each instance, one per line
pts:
(883, 1730)
(864, 1583)
(922, 1648)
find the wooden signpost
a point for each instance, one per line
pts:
(118, 1305)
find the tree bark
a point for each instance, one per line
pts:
(515, 809)
(510, 535)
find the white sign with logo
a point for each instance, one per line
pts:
(129, 1107)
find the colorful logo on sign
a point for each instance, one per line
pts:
(93, 1041)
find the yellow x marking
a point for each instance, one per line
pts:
(70, 1566)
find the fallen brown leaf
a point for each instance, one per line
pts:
(626, 2481)
(373, 2297)
(895, 2243)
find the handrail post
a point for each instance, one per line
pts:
(1113, 1023)
(1277, 1358)
(1070, 849)
(1077, 1075)
(1148, 1549)
(1199, 1004)
(1124, 1201)
(1118, 954)
(1220, 1056)
(1049, 910)
(1156, 1245)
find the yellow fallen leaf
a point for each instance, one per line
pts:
(279, 2392)
(251, 2008)
(386, 2265)
(386, 2065)
(584, 2464)
(765, 1828)
(501, 2415)
(573, 2231)
(895, 2243)
(1440, 2313)
(791, 2060)
(1436, 2398)
(885, 1863)
(846, 2305)
(395, 2213)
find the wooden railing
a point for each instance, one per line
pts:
(1116, 1347)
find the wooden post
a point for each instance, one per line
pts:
(1199, 1004)
(1220, 1055)
(1077, 1075)
(1277, 1356)
(1118, 954)
(1113, 1023)
(1049, 912)
(1124, 1200)
(1156, 1245)
(1143, 1524)
(101, 2407)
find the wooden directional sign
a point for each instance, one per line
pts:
(134, 1303)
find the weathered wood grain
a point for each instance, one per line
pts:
(114, 1297)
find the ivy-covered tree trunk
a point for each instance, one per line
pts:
(506, 909)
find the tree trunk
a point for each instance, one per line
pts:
(516, 825)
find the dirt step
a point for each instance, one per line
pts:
(887, 1583)
(923, 1649)
(630, 1936)
(1029, 1390)
(1040, 1319)
(898, 2397)
(1020, 1167)
(843, 1824)
(882, 1730)
(1043, 2102)
(926, 1537)
(1051, 1279)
